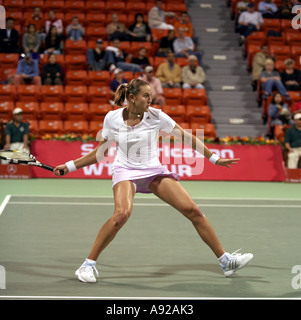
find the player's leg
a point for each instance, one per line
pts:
(124, 193)
(172, 192)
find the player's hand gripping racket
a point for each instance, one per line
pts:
(19, 157)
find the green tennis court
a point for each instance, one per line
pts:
(47, 227)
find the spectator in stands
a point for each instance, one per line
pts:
(156, 17)
(9, 38)
(16, 132)
(117, 29)
(183, 22)
(242, 6)
(75, 30)
(285, 10)
(117, 81)
(139, 31)
(279, 111)
(52, 73)
(27, 71)
(53, 21)
(268, 9)
(293, 142)
(270, 79)
(31, 40)
(248, 22)
(115, 57)
(184, 46)
(156, 87)
(166, 44)
(259, 64)
(95, 56)
(170, 73)
(193, 76)
(141, 59)
(53, 42)
(38, 21)
(291, 77)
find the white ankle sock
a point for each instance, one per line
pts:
(223, 259)
(89, 262)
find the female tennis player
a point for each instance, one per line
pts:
(136, 168)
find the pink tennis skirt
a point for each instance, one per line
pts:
(141, 177)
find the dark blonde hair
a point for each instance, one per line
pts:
(125, 89)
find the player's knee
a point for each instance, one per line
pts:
(120, 217)
(194, 214)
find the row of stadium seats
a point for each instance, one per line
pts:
(43, 127)
(33, 110)
(80, 93)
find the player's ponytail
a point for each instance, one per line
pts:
(124, 90)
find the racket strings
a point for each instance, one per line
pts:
(16, 155)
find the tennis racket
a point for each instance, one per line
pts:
(19, 157)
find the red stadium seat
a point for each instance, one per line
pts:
(95, 18)
(176, 7)
(271, 24)
(99, 78)
(135, 7)
(135, 46)
(6, 110)
(97, 111)
(75, 62)
(9, 60)
(74, 6)
(76, 111)
(176, 112)
(31, 109)
(206, 130)
(14, 5)
(51, 110)
(52, 93)
(29, 5)
(56, 5)
(28, 92)
(76, 127)
(95, 126)
(157, 34)
(96, 32)
(75, 93)
(200, 114)
(98, 94)
(115, 7)
(173, 96)
(76, 77)
(50, 126)
(194, 97)
(33, 126)
(293, 38)
(7, 92)
(279, 51)
(75, 47)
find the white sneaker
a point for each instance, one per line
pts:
(86, 274)
(234, 261)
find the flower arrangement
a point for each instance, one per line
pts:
(69, 137)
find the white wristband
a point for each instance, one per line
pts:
(214, 158)
(70, 166)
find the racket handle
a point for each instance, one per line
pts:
(50, 168)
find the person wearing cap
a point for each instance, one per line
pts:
(291, 77)
(27, 71)
(117, 81)
(193, 75)
(155, 85)
(293, 142)
(95, 57)
(16, 132)
(248, 22)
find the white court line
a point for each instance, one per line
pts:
(154, 204)
(153, 197)
(4, 203)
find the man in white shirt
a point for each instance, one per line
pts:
(184, 46)
(248, 22)
(267, 8)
